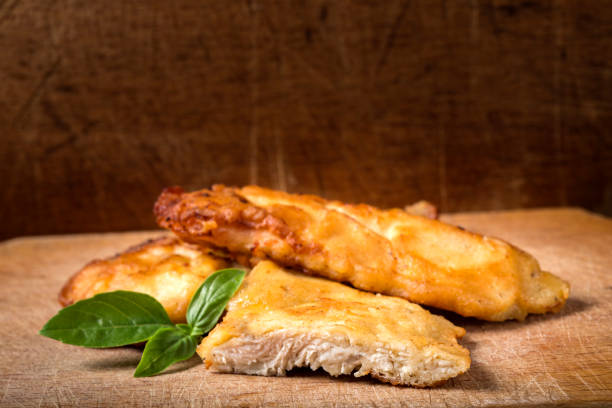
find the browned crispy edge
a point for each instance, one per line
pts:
(175, 210)
(180, 212)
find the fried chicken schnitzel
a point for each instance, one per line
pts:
(280, 320)
(387, 251)
(166, 268)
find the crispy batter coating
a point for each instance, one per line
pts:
(165, 268)
(279, 320)
(386, 251)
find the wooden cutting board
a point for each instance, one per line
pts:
(561, 360)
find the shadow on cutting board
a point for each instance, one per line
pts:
(572, 306)
(478, 377)
(129, 362)
(115, 362)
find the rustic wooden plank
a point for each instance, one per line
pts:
(477, 104)
(555, 360)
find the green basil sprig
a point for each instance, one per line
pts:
(167, 346)
(208, 302)
(121, 317)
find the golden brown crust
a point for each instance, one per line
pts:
(67, 295)
(386, 251)
(165, 268)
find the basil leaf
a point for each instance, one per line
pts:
(167, 346)
(108, 320)
(120, 318)
(210, 299)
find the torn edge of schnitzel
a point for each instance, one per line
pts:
(165, 268)
(386, 251)
(280, 320)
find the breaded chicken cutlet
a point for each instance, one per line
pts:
(387, 251)
(165, 268)
(280, 320)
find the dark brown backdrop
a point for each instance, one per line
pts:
(473, 105)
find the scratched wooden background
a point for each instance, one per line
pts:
(473, 105)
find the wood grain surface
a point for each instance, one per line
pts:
(554, 360)
(471, 104)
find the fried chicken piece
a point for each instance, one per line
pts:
(166, 268)
(280, 320)
(386, 251)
